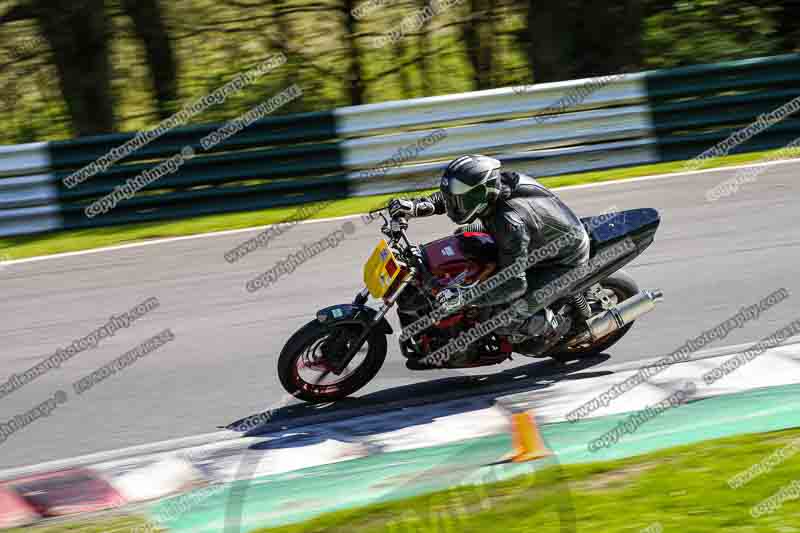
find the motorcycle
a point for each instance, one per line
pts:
(344, 347)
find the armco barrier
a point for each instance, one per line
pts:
(625, 120)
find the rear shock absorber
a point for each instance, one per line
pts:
(580, 303)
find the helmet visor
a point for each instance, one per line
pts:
(461, 208)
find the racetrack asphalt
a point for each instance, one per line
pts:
(710, 259)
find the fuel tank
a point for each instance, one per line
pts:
(468, 253)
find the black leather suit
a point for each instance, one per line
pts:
(526, 216)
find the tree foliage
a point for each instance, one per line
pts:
(82, 67)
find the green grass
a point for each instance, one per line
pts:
(124, 524)
(70, 241)
(682, 489)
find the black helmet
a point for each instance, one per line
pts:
(469, 186)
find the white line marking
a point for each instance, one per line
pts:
(323, 220)
(122, 453)
(676, 174)
(711, 353)
(162, 241)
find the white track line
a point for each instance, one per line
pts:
(323, 220)
(122, 453)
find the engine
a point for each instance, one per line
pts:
(459, 260)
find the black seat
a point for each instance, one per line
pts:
(605, 230)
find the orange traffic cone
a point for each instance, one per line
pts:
(528, 443)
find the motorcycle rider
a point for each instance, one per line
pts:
(522, 215)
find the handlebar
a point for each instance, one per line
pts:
(395, 228)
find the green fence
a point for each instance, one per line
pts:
(544, 130)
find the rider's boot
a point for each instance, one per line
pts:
(544, 330)
(544, 323)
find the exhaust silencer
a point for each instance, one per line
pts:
(624, 313)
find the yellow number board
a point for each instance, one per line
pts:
(381, 270)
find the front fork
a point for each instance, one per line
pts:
(361, 299)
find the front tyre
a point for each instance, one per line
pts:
(304, 366)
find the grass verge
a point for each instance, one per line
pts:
(76, 240)
(121, 524)
(683, 488)
(678, 489)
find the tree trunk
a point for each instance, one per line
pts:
(405, 76)
(286, 38)
(424, 46)
(608, 38)
(480, 42)
(582, 38)
(550, 26)
(490, 52)
(355, 76)
(149, 25)
(789, 27)
(77, 33)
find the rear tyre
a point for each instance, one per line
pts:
(304, 355)
(623, 287)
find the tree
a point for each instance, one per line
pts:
(150, 28)
(789, 26)
(710, 31)
(480, 39)
(78, 36)
(608, 37)
(551, 40)
(787, 17)
(355, 75)
(581, 38)
(424, 47)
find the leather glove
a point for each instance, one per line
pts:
(402, 208)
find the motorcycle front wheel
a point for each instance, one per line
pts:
(304, 366)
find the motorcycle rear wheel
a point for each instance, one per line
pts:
(623, 286)
(295, 356)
